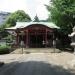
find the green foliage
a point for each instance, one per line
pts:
(36, 19)
(3, 33)
(19, 16)
(62, 12)
(4, 49)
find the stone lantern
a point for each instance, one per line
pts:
(72, 35)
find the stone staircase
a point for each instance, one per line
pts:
(34, 50)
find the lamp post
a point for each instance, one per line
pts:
(54, 42)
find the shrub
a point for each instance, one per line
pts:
(4, 49)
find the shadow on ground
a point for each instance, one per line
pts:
(33, 68)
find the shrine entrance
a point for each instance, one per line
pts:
(34, 34)
(38, 36)
(36, 39)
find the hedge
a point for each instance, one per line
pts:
(4, 49)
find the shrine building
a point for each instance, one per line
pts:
(34, 34)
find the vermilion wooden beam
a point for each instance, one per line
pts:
(27, 40)
(46, 38)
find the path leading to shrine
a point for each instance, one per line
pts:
(37, 64)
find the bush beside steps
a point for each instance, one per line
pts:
(4, 49)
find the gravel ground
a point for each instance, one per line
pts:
(37, 64)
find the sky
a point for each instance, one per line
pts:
(31, 7)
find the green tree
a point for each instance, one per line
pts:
(3, 33)
(62, 12)
(19, 16)
(36, 19)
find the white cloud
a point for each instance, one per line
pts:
(12, 5)
(30, 6)
(43, 13)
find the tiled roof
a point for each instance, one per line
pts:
(25, 24)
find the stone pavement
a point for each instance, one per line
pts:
(37, 64)
(34, 50)
(7, 58)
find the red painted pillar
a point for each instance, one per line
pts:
(46, 38)
(27, 39)
(17, 39)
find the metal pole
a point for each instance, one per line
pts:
(22, 43)
(22, 49)
(22, 46)
(54, 42)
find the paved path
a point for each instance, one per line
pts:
(34, 50)
(33, 64)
